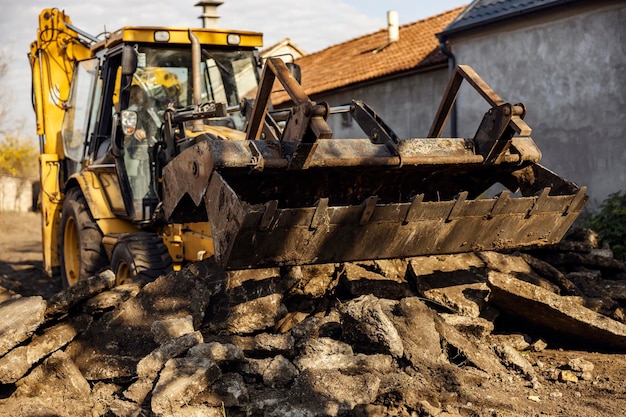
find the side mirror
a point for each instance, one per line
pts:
(295, 70)
(129, 60)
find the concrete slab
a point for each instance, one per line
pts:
(546, 309)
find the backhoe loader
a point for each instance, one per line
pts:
(160, 147)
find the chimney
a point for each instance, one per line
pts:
(393, 30)
(209, 13)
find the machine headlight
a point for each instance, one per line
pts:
(161, 36)
(233, 39)
(129, 121)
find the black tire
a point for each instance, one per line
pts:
(140, 257)
(81, 251)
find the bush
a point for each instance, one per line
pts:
(18, 156)
(610, 223)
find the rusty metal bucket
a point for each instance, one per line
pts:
(305, 198)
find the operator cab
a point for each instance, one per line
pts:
(163, 80)
(144, 72)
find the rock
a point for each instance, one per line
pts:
(273, 344)
(20, 360)
(57, 374)
(198, 411)
(442, 265)
(475, 326)
(243, 286)
(550, 311)
(121, 408)
(605, 306)
(7, 294)
(538, 345)
(19, 318)
(427, 410)
(325, 346)
(217, 352)
(164, 330)
(588, 260)
(289, 320)
(321, 325)
(356, 280)
(60, 303)
(246, 284)
(512, 359)
(252, 367)
(554, 275)
(592, 285)
(586, 376)
(516, 266)
(229, 390)
(180, 381)
(583, 235)
(367, 327)
(567, 376)
(582, 368)
(518, 342)
(151, 364)
(251, 302)
(279, 372)
(319, 393)
(456, 282)
(149, 367)
(366, 410)
(139, 390)
(326, 353)
(605, 252)
(580, 365)
(127, 329)
(315, 281)
(463, 352)
(110, 299)
(416, 326)
(254, 316)
(104, 394)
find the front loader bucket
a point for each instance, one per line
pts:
(321, 200)
(348, 213)
(248, 235)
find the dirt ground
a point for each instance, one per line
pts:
(601, 394)
(21, 266)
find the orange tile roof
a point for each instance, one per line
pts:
(355, 61)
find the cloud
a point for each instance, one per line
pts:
(311, 25)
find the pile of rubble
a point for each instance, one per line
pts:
(401, 337)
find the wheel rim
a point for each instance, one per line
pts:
(71, 251)
(123, 274)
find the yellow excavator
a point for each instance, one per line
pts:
(160, 147)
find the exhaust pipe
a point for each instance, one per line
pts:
(196, 58)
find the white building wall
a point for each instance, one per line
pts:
(16, 194)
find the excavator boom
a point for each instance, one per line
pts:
(53, 57)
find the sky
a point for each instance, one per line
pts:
(312, 25)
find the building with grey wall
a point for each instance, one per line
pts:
(566, 61)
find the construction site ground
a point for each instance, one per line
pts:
(543, 391)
